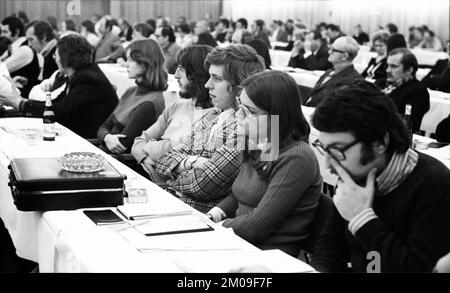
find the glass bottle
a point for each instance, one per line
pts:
(49, 119)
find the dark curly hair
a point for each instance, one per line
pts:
(363, 110)
(75, 52)
(192, 60)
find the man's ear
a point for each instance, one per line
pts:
(381, 147)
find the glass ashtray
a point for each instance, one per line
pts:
(82, 162)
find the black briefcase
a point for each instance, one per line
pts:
(39, 184)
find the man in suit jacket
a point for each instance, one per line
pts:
(341, 55)
(42, 40)
(439, 80)
(318, 57)
(279, 34)
(404, 88)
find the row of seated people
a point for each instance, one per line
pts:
(267, 187)
(393, 72)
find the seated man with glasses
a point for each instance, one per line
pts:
(391, 203)
(341, 55)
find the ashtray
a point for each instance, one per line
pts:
(82, 162)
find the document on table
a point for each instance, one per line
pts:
(263, 261)
(173, 224)
(147, 211)
(217, 240)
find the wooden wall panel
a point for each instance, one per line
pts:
(40, 9)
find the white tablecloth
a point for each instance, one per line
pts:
(67, 241)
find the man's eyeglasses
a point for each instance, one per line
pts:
(336, 50)
(337, 153)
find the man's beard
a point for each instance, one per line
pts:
(187, 92)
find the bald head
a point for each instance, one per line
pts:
(201, 27)
(348, 45)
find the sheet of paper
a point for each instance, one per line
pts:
(217, 240)
(172, 225)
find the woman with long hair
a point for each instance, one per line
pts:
(276, 193)
(140, 105)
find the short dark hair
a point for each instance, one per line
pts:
(277, 93)
(395, 41)
(15, 25)
(260, 23)
(75, 52)
(363, 110)
(151, 22)
(149, 55)
(333, 27)
(392, 28)
(192, 59)
(408, 59)
(109, 24)
(239, 62)
(317, 35)
(43, 31)
(206, 39)
(144, 29)
(168, 31)
(243, 21)
(184, 27)
(89, 25)
(70, 25)
(225, 22)
(262, 49)
(4, 44)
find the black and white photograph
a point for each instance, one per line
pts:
(224, 137)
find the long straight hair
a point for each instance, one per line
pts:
(148, 54)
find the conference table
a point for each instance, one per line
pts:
(68, 241)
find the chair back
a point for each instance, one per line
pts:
(320, 219)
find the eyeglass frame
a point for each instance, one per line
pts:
(332, 49)
(326, 149)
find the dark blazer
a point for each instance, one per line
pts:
(50, 65)
(84, 105)
(439, 81)
(282, 35)
(380, 74)
(262, 36)
(320, 90)
(416, 94)
(319, 61)
(443, 130)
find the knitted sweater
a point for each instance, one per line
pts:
(410, 233)
(275, 210)
(137, 110)
(167, 132)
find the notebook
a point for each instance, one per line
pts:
(103, 217)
